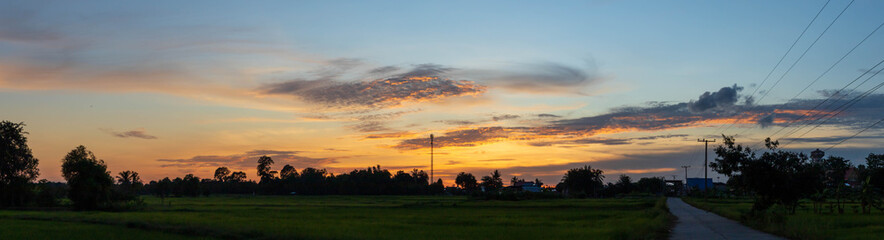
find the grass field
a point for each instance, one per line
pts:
(374, 217)
(804, 224)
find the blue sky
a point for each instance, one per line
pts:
(259, 76)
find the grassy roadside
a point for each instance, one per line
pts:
(803, 225)
(385, 217)
(38, 229)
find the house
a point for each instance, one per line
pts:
(700, 183)
(526, 186)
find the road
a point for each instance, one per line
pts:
(694, 223)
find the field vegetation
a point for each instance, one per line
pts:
(804, 223)
(379, 217)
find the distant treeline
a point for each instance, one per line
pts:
(90, 186)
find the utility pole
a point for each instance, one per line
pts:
(705, 164)
(686, 174)
(432, 180)
(685, 186)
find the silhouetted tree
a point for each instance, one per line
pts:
(538, 182)
(624, 184)
(313, 180)
(652, 185)
(466, 181)
(221, 174)
(264, 163)
(129, 182)
(288, 172)
(90, 182)
(18, 167)
(237, 177)
(437, 187)
(776, 177)
(162, 188)
(583, 181)
(492, 182)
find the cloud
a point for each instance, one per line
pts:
(504, 117)
(249, 159)
(658, 117)
(459, 138)
(18, 24)
(541, 77)
(138, 133)
(384, 70)
(421, 84)
(402, 134)
(766, 121)
(547, 115)
(370, 126)
(602, 141)
(725, 97)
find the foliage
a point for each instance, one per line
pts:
(264, 172)
(804, 224)
(466, 181)
(222, 174)
(776, 177)
(18, 167)
(89, 181)
(384, 217)
(582, 181)
(492, 182)
(129, 184)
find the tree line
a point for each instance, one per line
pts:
(89, 185)
(776, 177)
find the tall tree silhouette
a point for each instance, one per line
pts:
(89, 181)
(129, 182)
(221, 174)
(466, 181)
(585, 180)
(264, 163)
(18, 167)
(492, 182)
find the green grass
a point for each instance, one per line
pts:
(37, 229)
(385, 217)
(804, 224)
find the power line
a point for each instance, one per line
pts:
(854, 135)
(845, 106)
(782, 57)
(820, 77)
(839, 96)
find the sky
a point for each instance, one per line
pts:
(533, 89)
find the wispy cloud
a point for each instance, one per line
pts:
(422, 84)
(249, 160)
(138, 133)
(657, 117)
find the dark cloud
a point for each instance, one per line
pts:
(766, 121)
(370, 126)
(459, 138)
(504, 117)
(544, 77)
(140, 133)
(547, 115)
(725, 97)
(602, 141)
(19, 24)
(384, 70)
(457, 122)
(634, 165)
(664, 116)
(423, 83)
(402, 134)
(249, 159)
